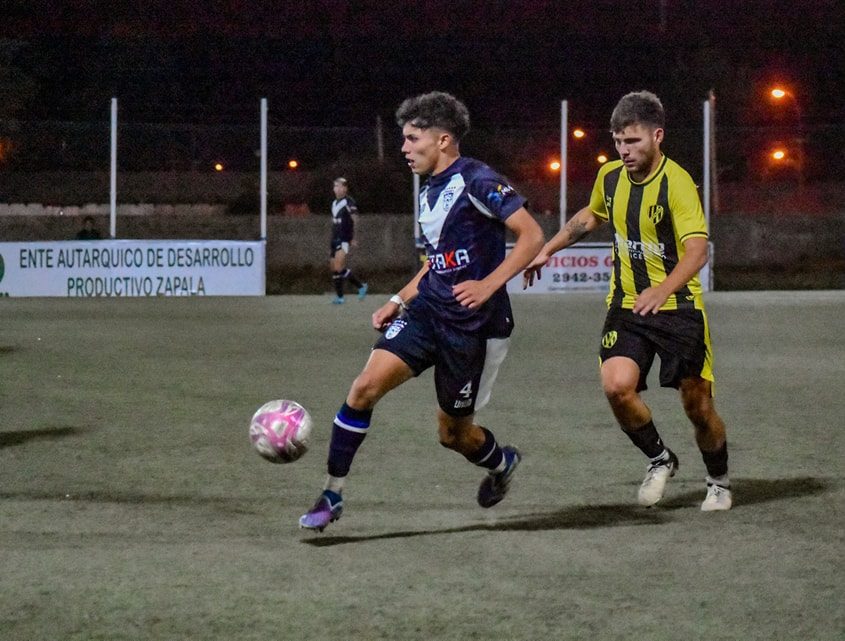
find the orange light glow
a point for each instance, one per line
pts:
(778, 154)
(293, 164)
(578, 133)
(554, 165)
(778, 93)
(601, 159)
(218, 166)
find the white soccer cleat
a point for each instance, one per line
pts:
(654, 484)
(718, 498)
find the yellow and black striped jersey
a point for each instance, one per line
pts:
(651, 220)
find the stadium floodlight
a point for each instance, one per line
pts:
(554, 165)
(601, 159)
(578, 133)
(778, 155)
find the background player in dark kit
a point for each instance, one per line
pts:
(344, 217)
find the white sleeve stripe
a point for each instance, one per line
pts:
(480, 206)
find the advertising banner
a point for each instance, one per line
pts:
(133, 268)
(585, 267)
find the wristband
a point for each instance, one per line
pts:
(396, 298)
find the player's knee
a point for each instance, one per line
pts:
(698, 410)
(365, 391)
(619, 392)
(698, 403)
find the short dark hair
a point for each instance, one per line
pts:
(435, 109)
(638, 107)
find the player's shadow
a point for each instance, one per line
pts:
(19, 437)
(577, 517)
(753, 491)
(746, 492)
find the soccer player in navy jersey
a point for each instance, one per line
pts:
(344, 213)
(454, 314)
(655, 304)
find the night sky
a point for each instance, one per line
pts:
(338, 63)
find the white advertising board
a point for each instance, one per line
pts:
(585, 267)
(133, 268)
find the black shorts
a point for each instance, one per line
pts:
(679, 337)
(465, 364)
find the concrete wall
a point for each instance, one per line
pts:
(762, 245)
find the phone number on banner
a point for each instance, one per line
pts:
(584, 267)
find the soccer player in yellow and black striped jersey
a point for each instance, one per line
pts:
(655, 306)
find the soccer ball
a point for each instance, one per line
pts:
(280, 431)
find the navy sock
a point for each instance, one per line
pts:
(716, 462)
(489, 455)
(647, 439)
(348, 432)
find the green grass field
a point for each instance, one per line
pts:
(132, 506)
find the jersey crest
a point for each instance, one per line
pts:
(655, 213)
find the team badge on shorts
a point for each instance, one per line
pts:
(395, 327)
(609, 340)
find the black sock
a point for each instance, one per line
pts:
(647, 439)
(716, 462)
(357, 284)
(337, 281)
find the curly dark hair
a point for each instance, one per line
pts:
(435, 109)
(638, 107)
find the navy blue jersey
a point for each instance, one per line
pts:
(343, 227)
(462, 214)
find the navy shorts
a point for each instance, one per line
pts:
(465, 364)
(679, 337)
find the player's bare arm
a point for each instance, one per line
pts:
(581, 224)
(354, 216)
(695, 257)
(529, 240)
(385, 314)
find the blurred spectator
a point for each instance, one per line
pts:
(88, 231)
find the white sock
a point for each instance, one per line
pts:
(334, 483)
(721, 481)
(662, 457)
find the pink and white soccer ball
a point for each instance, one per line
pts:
(280, 431)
